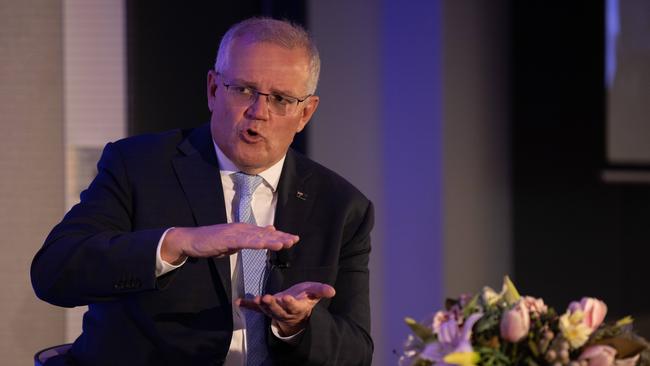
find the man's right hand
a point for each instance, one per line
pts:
(220, 240)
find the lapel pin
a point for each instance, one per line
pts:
(301, 195)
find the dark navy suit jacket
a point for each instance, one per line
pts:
(102, 254)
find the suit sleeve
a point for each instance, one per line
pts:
(93, 255)
(338, 332)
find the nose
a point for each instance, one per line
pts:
(259, 109)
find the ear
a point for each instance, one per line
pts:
(211, 89)
(311, 104)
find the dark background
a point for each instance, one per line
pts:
(573, 233)
(171, 47)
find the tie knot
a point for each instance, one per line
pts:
(246, 184)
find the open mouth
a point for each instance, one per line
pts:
(249, 135)
(252, 133)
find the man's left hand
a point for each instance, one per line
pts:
(291, 308)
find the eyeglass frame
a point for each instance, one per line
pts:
(256, 93)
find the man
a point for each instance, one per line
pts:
(220, 244)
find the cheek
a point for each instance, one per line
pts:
(283, 138)
(226, 119)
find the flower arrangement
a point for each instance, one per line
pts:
(501, 329)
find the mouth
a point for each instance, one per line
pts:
(251, 136)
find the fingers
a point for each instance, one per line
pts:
(281, 307)
(311, 290)
(319, 291)
(268, 305)
(250, 304)
(290, 304)
(326, 291)
(226, 239)
(272, 307)
(290, 299)
(290, 309)
(255, 237)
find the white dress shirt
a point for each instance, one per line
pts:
(263, 204)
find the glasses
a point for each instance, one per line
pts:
(279, 104)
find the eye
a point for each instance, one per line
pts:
(280, 99)
(244, 90)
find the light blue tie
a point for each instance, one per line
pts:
(254, 265)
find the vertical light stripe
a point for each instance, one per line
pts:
(411, 122)
(31, 169)
(345, 133)
(94, 96)
(476, 171)
(411, 116)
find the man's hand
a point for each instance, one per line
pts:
(220, 240)
(291, 308)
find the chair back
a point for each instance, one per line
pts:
(43, 355)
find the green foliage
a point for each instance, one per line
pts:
(471, 307)
(544, 340)
(422, 332)
(493, 357)
(422, 362)
(488, 325)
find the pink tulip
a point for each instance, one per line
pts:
(515, 323)
(598, 355)
(594, 311)
(534, 305)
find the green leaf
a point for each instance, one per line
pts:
(493, 357)
(422, 332)
(421, 362)
(624, 321)
(533, 348)
(625, 347)
(511, 295)
(489, 321)
(530, 362)
(471, 307)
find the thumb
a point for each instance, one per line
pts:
(320, 291)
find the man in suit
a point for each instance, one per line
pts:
(158, 247)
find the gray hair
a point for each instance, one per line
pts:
(278, 32)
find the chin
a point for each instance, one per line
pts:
(252, 158)
(250, 164)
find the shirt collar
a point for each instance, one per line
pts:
(271, 175)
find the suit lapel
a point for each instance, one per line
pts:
(197, 170)
(294, 197)
(295, 200)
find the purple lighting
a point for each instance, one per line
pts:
(412, 149)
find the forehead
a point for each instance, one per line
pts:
(267, 65)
